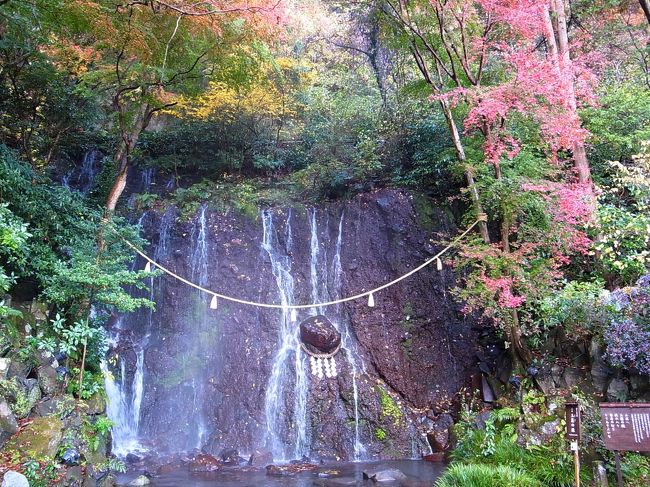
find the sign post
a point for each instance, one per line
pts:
(573, 435)
(626, 427)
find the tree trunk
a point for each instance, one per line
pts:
(521, 354)
(645, 5)
(560, 52)
(129, 138)
(462, 158)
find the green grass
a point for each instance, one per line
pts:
(480, 475)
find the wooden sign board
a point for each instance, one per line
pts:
(626, 426)
(572, 421)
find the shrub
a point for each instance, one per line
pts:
(486, 476)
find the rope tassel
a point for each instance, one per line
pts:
(371, 300)
(213, 302)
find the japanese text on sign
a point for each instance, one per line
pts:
(626, 426)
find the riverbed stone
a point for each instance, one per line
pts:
(319, 332)
(8, 423)
(290, 469)
(139, 480)
(380, 474)
(39, 439)
(205, 463)
(14, 479)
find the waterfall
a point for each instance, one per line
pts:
(124, 397)
(199, 264)
(347, 343)
(288, 353)
(147, 178)
(89, 169)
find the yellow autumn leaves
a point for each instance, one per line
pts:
(270, 94)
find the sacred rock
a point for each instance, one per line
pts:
(320, 333)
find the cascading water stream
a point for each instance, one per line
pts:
(124, 397)
(277, 415)
(199, 275)
(89, 169)
(347, 344)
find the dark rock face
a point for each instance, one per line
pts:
(207, 371)
(320, 333)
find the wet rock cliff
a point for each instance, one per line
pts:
(189, 376)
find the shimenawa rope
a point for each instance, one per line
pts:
(435, 258)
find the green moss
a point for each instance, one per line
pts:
(21, 402)
(380, 434)
(389, 407)
(38, 440)
(425, 211)
(186, 367)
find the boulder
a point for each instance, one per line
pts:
(70, 457)
(380, 474)
(290, 470)
(139, 480)
(600, 372)
(205, 463)
(230, 456)
(96, 404)
(33, 395)
(617, 390)
(549, 429)
(319, 332)
(14, 479)
(8, 423)
(22, 395)
(440, 433)
(48, 380)
(19, 369)
(5, 362)
(39, 439)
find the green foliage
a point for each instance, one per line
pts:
(70, 339)
(624, 217)
(63, 252)
(381, 434)
(93, 383)
(496, 445)
(95, 433)
(577, 308)
(389, 407)
(112, 465)
(619, 125)
(486, 476)
(40, 473)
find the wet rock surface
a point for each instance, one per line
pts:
(207, 370)
(291, 469)
(205, 463)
